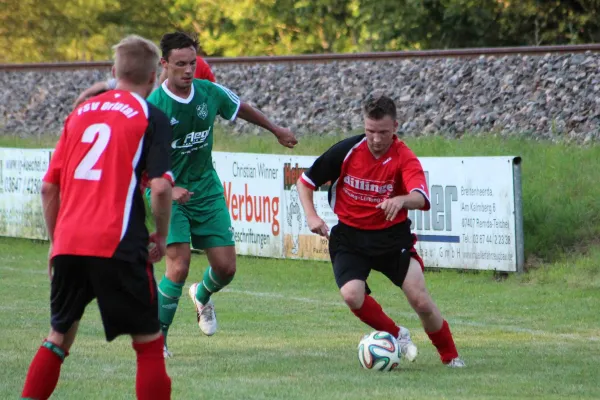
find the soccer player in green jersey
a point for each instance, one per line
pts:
(199, 209)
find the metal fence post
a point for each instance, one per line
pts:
(519, 232)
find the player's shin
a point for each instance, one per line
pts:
(152, 381)
(168, 298)
(44, 371)
(373, 315)
(444, 343)
(211, 283)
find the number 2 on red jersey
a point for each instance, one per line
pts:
(85, 169)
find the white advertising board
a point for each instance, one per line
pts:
(471, 224)
(252, 184)
(474, 223)
(21, 173)
(298, 241)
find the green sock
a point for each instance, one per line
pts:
(168, 298)
(210, 284)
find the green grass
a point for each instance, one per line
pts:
(560, 189)
(284, 334)
(29, 142)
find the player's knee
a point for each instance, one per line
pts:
(225, 270)
(421, 302)
(352, 297)
(56, 338)
(177, 270)
(63, 341)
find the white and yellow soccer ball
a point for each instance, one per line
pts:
(379, 351)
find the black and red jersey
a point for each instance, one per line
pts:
(359, 181)
(108, 144)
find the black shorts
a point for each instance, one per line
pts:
(126, 294)
(355, 252)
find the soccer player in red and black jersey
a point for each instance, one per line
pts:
(375, 178)
(111, 146)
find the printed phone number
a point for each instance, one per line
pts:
(487, 239)
(13, 184)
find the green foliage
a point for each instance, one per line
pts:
(53, 30)
(62, 30)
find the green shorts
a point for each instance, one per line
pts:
(206, 222)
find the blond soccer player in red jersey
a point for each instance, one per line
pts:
(95, 216)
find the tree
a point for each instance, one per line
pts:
(60, 30)
(546, 22)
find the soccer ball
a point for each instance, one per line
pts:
(379, 351)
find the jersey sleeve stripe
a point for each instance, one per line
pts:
(307, 181)
(234, 97)
(353, 147)
(169, 176)
(423, 193)
(234, 115)
(142, 103)
(131, 190)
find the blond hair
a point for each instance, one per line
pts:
(136, 59)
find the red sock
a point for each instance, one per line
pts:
(372, 314)
(44, 371)
(152, 381)
(444, 343)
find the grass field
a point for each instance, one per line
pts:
(285, 334)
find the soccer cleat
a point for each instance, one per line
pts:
(207, 319)
(167, 353)
(407, 347)
(456, 363)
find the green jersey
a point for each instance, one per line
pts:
(192, 120)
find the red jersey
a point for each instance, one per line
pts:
(359, 181)
(108, 143)
(203, 70)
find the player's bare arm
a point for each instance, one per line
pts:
(94, 90)
(411, 201)
(51, 205)
(315, 223)
(161, 198)
(284, 135)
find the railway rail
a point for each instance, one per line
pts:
(330, 57)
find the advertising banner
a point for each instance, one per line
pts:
(475, 220)
(21, 173)
(252, 185)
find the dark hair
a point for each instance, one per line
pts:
(176, 40)
(377, 105)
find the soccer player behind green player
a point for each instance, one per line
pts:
(199, 208)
